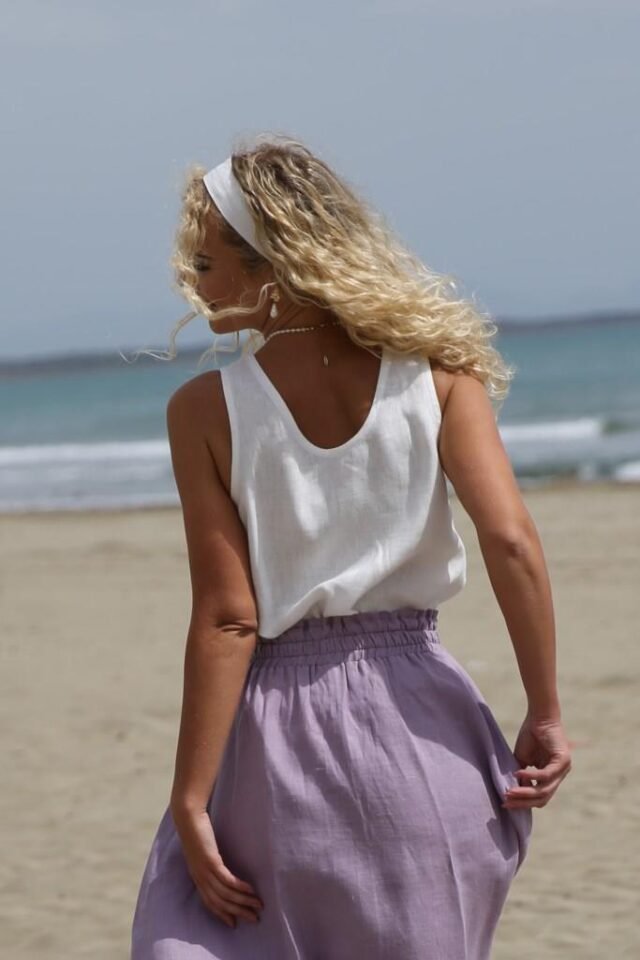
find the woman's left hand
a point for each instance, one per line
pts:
(223, 893)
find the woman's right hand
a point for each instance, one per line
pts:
(543, 749)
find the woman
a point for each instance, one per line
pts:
(341, 787)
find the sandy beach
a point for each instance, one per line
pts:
(95, 609)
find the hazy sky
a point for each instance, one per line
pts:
(500, 139)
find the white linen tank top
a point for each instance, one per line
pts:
(366, 525)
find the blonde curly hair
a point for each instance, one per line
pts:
(327, 246)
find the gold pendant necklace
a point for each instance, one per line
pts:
(329, 323)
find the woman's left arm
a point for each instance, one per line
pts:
(221, 638)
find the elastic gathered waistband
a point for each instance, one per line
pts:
(353, 635)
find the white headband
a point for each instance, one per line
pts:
(227, 194)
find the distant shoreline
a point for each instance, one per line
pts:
(91, 360)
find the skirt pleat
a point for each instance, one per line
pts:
(360, 794)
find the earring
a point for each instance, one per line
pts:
(275, 296)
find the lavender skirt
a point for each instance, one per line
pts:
(360, 794)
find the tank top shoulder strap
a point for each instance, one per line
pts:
(410, 380)
(241, 407)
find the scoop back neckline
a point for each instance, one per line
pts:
(279, 402)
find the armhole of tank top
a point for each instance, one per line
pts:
(437, 413)
(433, 396)
(227, 389)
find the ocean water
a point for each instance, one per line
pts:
(79, 433)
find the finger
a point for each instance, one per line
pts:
(537, 800)
(529, 793)
(249, 915)
(212, 903)
(222, 872)
(548, 776)
(231, 896)
(232, 910)
(529, 772)
(534, 789)
(233, 893)
(526, 804)
(544, 774)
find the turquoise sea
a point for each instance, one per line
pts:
(82, 432)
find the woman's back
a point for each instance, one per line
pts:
(370, 516)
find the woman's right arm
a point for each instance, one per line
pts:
(475, 461)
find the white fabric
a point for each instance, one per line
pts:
(226, 193)
(363, 526)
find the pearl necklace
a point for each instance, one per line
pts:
(329, 323)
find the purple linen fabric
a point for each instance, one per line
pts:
(360, 794)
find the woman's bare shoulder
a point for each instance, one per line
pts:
(473, 456)
(204, 400)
